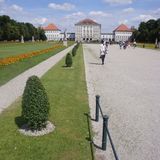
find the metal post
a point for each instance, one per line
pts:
(97, 108)
(104, 138)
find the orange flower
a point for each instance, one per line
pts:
(13, 59)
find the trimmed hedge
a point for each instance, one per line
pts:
(74, 50)
(68, 60)
(35, 104)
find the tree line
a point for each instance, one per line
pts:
(13, 30)
(147, 32)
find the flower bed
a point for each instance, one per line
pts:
(13, 59)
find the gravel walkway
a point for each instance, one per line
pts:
(14, 88)
(129, 86)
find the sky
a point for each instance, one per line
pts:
(65, 13)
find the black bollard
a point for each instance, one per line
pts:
(104, 138)
(97, 108)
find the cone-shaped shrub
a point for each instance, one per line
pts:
(35, 105)
(74, 50)
(68, 60)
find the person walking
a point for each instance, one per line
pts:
(134, 44)
(103, 50)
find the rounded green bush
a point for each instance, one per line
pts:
(68, 60)
(74, 50)
(35, 104)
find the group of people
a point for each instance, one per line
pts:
(126, 44)
(103, 50)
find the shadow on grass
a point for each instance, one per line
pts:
(90, 136)
(64, 66)
(19, 121)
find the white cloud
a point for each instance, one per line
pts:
(157, 12)
(1, 1)
(2, 12)
(40, 20)
(128, 10)
(16, 8)
(99, 13)
(123, 21)
(143, 18)
(64, 6)
(119, 1)
(75, 15)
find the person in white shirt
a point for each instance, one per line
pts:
(103, 50)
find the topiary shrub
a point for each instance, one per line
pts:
(35, 104)
(68, 60)
(74, 50)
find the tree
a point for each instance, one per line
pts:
(148, 31)
(12, 30)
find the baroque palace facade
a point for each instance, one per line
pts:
(88, 30)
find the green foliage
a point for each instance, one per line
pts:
(74, 50)
(12, 30)
(68, 60)
(147, 31)
(35, 105)
(68, 96)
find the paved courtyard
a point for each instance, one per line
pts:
(129, 89)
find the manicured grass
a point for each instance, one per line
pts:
(147, 45)
(10, 71)
(66, 88)
(13, 49)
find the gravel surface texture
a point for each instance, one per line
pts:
(48, 129)
(15, 87)
(129, 88)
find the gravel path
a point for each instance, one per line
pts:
(129, 86)
(14, 88)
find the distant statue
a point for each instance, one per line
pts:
(33, 39)
(65, 35)
(22, 39)
(65, 38)
(156, 43)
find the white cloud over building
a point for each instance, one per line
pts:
(64, 6)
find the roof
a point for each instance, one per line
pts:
(123, 28)
(51, 27)
(87, 22)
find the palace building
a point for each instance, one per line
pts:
(87, 30)
(52, 32)
(122, 33)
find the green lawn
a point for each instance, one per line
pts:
(147, 45)
(67, 93)
(12, 70)
(12, 49)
